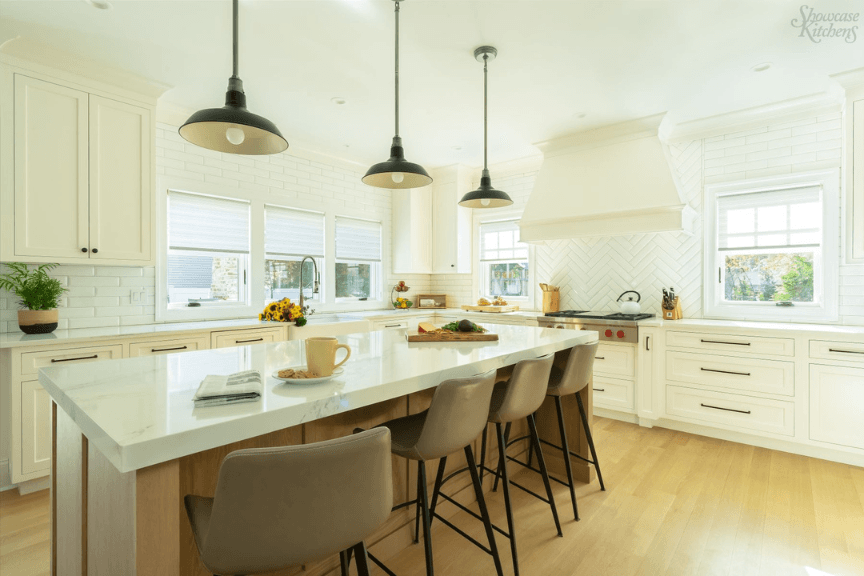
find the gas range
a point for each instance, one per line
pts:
(611, 326)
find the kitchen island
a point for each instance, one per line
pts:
(128, 443)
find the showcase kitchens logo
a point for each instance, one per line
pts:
(820, 25)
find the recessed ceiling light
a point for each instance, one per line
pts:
(100, 4)
(580, 115)
(761, 67)
(338, 100)
(457, 147)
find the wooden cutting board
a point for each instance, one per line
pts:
(498, 309)
(448, 336)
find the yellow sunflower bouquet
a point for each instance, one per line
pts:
(283, 311)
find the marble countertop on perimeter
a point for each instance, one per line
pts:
(139, 412)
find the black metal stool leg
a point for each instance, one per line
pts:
(562, 430)
(417, 508)
(439, 479)
(343, 562)
(423, 494)
(505, 483)
(590, 438)
(483, 454)
(484, 512)
(362, 559)
(506, 439)
(542, 461)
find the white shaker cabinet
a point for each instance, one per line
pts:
(36, 436)
(82, 174)
(855, 178)
(412, 231)
(837, 405)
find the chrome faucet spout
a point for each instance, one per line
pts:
(316, 283)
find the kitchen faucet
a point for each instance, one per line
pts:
(315, 285)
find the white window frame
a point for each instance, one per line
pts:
(320, 262)
(377, 283)
(713, 288)
(479, 272)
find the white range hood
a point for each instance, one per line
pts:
(614, 180)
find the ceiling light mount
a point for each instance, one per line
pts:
(761, 67)
(233, 128)
(485, 196)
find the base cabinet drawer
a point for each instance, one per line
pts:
(746, 374)
(613, 393)
(35, 428)
(154, 347)
(830, 350)
(390, 325)
(731, 411)
(229, 338)
(837, 405)
(31, 362)
(615, 360)
(731, 343)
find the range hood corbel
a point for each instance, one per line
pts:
(610, 181)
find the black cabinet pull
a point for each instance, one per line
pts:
(83, 250)
(729, 343)
(599, 357)
(726, 409)
(845, 351)
(392, 326)
(95, 250)
(245, 341)
(647, 338)
(599, 389)
(725, 372)
(54, 360)
(167, 349)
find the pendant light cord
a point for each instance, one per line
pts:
(397, 66)
(236, 38)
(485, 118)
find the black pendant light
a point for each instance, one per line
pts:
(233, 128)
(485, 196)
(397, 173)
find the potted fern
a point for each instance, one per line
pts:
(39, 294)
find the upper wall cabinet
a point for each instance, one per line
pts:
(855, 177)
(82, 174)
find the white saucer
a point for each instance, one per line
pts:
(336, 372)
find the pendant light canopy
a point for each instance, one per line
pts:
(397, 173)
(233, 128)
(485, 196)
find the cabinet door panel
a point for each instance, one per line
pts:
(120, 191)
(51, 171)
(35, 428)
(857, 200)
(837, 405)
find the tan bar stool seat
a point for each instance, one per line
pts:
(281, 507)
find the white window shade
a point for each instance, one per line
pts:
(500, 241)
(291, 232)
(207, 224)
(358, 240)
(777, 219)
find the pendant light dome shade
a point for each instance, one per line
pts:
(233, 128)
(397, 173)
(485, 196)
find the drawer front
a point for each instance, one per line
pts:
(731, 411)
(732, 344)
(830, 350)
(31, 362)
(244, 337)
(154, 347)
(615, 360)
(837, 405)
(747, 374)
(391, 325)
(613, 393)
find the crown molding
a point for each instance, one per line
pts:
(644, 127)
(850, 79)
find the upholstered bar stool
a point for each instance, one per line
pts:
(453, 421)
(575, 376)
(280, 507)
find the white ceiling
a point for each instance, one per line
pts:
(612, 60)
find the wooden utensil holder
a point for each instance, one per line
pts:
(550, 301)
(673, 313)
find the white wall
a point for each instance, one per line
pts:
(592, 272)
(100, 295)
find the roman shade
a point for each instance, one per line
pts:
(292, 232)
(207, 223)
(358, 240)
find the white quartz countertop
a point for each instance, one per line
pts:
(139, 412)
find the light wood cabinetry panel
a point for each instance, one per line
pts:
(837, 405)
(155, 347)
(36, 432)
(51, 170)
(121, 193)
(731, 411)
(731, 343)
(228, 338)
(746, 374)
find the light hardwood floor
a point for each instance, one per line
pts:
(675, 504)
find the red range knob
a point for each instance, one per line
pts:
(620, 334)
(608, 333)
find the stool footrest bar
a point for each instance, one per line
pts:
(380, 564)
(463, 534)
(471, 512)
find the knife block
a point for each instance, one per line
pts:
(673, 313)
(550, 301)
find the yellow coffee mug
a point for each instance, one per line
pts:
(321, 355)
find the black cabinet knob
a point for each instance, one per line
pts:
(83, 250)
(95, 250)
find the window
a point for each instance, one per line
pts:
(289, 236)
(358, 259)
(504, 266)
(208, 250)
(772, 249)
